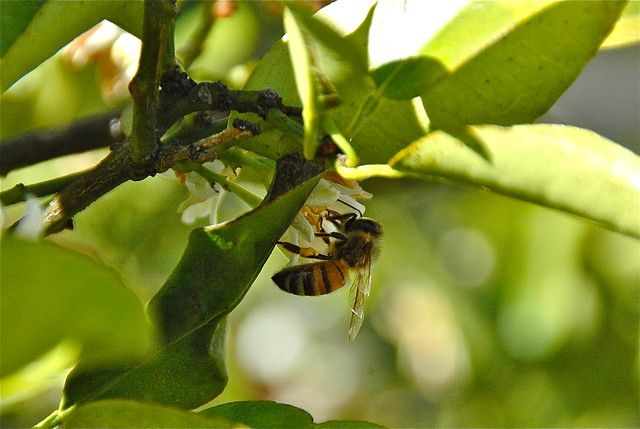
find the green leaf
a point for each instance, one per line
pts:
(323, 56)
(275, 71)
(262, 414)
(348, 424)
(508, 62)
(627, 29)
(130, 414)
(14, 18)
(562, 167)
(273, 415)
(54, 25)
(336, 44)
(405, 79)
(186, 373)
(566, 168)
(220, 264)
(390, 127)
(254, 414)
(379, 137)
(305, 83)
(214, 273)
(50, 294)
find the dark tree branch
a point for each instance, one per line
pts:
(156, 57)
(161, 96)
(32, 148)
(180, 96)
(118, 167)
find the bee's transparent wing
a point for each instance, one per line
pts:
(359, 291)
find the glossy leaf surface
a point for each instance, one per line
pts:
(306, 82)
(268, 414)
(379, 137)
(130, 414)
(216, 270)
(54, 25)
(566, 168)
(508, 62)
(52, 294)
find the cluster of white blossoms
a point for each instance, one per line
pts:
(333, 193)
(114, 52)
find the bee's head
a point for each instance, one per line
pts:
(363, 224)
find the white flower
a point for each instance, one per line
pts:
(204, 197)
(114, 52)
(332, 193)
(193, 208)
(31, 225)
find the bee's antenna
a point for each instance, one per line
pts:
(349, 205)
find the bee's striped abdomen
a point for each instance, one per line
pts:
(313, 279)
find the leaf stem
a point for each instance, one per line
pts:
(365, 110)
(285, 124)
(339, 139)
(52, 421)
(236, 156)
(20, 191)
(245, 195)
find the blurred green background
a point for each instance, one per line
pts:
(485, 311)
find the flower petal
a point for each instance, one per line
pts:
(324, 194)
(31, 225)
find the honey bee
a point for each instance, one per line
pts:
(353, 249)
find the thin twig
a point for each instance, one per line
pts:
(19, 192)
(244, 194)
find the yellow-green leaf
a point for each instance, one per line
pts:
(302, 62)
(562, 167)
(557, 166)
(508, 62)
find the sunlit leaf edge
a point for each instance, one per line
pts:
(133, 414)
(537, 60)
(627, 30)
(49, 33)
(271, 414)
(566, 158)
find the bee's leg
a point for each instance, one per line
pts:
(321, 231)
(305, 252)
(337, 219)
(335, 235)
(340, 216)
